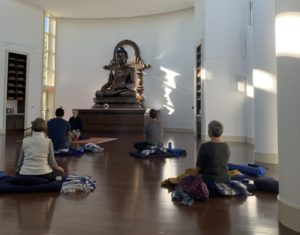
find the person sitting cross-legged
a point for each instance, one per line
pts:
(153, 132)
(213, 156)
(37, 154)
(76, 125)
(59, 130)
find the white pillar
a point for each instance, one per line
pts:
(288, 71)
(264, 82)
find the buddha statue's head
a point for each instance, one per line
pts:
(121, 56)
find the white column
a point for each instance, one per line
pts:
(288, 79)
(264, 82)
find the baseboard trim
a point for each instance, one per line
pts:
(266, 157)
(289, 215)
(180, 130)
(250, 140)
(239, 139)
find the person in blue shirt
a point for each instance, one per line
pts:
(59, 130)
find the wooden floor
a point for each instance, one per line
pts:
(128, 199)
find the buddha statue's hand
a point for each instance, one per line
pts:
(129, 86)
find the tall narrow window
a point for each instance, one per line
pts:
(49, 66)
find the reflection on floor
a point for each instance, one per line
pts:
(128, 199)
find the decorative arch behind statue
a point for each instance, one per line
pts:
(124, 88)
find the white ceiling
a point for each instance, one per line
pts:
(109, 8)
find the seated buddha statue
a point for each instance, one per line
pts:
(121, 82)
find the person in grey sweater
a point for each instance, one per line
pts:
(153, 132)
(213, 156)
(37, 154)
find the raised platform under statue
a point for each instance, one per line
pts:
(117, 103)
(97, 121)
(124, 88)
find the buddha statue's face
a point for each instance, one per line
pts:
(121, 57)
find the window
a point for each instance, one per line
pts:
(49, 66)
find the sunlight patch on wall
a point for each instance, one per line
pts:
(169, 105)
(288, 34)
(264, 80)
(170, 77)
(203, 74)
(250, 91)
(170, 85)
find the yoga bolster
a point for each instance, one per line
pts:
(267, 184)
(248, 170)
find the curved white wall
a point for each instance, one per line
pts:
(85, 46)
(21, 30)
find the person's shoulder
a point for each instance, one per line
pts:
(27, 139)
(53, 120)
(207, 144)
(225, 144)
(50, 122)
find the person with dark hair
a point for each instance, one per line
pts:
(213, 156)
(121, 80)
(37, 154)
(59, 130)
(153, 132)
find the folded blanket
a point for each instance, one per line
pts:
(148, 153)
(232, 188)
(179, 195)
(175, 180)
(75, 183)
(2, 173)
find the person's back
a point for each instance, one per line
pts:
(58, 130)
(214, 155)
(37, 154)
(35, 149)
(213, 159)
(153, 131)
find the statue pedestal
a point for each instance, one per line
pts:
(112, 120)
(117, 103)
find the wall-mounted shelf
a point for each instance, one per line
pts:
(16, 90)
(16, 76)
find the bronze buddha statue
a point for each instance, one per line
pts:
(121, 80)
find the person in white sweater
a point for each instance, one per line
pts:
(37, 154)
